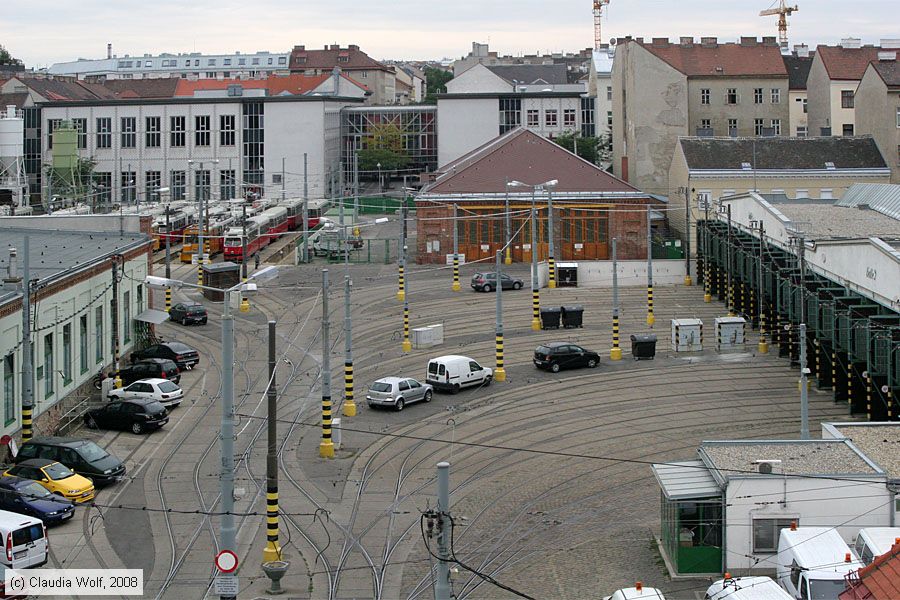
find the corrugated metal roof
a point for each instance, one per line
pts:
(881, 197)
(685, 480)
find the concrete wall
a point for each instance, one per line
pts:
(559, 105)
(595, 274)
(465, 124)
(745, 111)
(797, 117)
(818, 90)
(876, 114)
(111, 222)
(803, 499)
(478, 79)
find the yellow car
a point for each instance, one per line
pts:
(56, 477)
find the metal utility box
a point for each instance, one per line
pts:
(567, 274)
(571, 316)
(730, 332)
(426, 337)
(687, 335)
(437, 334)
(643, 346)
(222, 275)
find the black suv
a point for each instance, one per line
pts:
(563, 355)
(150, 368)
(188, 313)
(136, 415)
(183, 355)
(487, 282)
(82, 456)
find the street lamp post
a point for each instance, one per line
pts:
(535, 288)
(455, 286)
(499, 371)
(551, 261)
(506, 220)
(707, 284)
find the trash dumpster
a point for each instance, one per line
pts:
(571, 316)
(550, 318)
(643, 346)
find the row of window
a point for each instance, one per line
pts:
(210, 62)
(153, 180)
(731, 96)
(759, 126)
(153, 132)
(551, 117)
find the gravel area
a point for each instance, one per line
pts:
(828, 221)
(880, 443)
(798, 458)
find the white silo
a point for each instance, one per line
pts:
(13, 183)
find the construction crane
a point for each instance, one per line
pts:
(598, 12)
(783, 11)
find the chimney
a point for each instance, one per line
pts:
(709, 42)
(802, 50)
(300, 48)
(109, 51)
(889, 43)
(12, 279)
(353, 47)
(334, 47)
(660, 42)
(769, 41)
(639, 40)
(686, 41)
(748, 41)
(887, 56)
(850, 42)
(336, 77)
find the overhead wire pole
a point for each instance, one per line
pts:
(27, 364)
(406, 346)
(729, 292)
(687, 237)
(551, 261)
(507, 217)
(763, 346)
(455, 286)
(401, 263)
(650, 318)
(326, 447)
(499, 371)
(226, 436)
(535, 285)
(272, 550)
(349, 408)
(615, 353)
(114, 316)
(442, 581)
(707, 284)
(168, 261)
(305, 213)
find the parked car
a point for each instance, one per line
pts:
(487, 282)
(564, 355)
(872, 542)
(25, 541)
(136, 415)
(188, 313)
(637, 592)
(82, 456)
(746, 588)
(454, 372)
(397, 392)
(161, 390)
(183, 355)
(28, 497)
(163, 368)
(813, 562)
(56, 477)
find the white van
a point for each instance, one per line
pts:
(872, 542)
(24, 541)
(453, 372)
(636, 593)
(812, 562)
(746, 588)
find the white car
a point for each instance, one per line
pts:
(746, 588)
(638, 592)
(162, 390)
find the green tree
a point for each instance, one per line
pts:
(435, 83)
(383, 146)
(596, 150)
(7, 59)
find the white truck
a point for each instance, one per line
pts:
(812, 562)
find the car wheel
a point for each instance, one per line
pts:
(554, 367)
(487, 288)
(89, 422)
(454, 389)
(591, 363)
(137, 428)
(517, 285)
(488, 379)
(428, 396)
(400, 404)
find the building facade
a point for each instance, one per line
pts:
(877, 108)
(379, 78)
(798, 64)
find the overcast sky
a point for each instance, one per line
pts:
(42, 32)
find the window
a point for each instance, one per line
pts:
(802, 131)
(802, 193)
(104, 132)
(9, 389)
(211, 62)
(98, 334)
(253, 136)
(776, 126)
(846, 98)
(256, 61)
(140, 298)
(282, 60)
(731, 96)
(226, 130)
(152, 182)
(129, 129)
(126, 306)
(705, 124)
(550, 117)
(52, 125)
(83, 343)
(588, 126)
(776, 95)
(758, 125)
(67, 354)
(176, 135)
(609, 92)
(704, 96)
(898, 155)
(179, 185)
(129, 187)
(201, 184)
(148, 63)
(569, 117)
(201, 133)
(898, 116)
(343, 59)
(49, 368)
(826, 194)
(534, 118)
(609, 119)
(847, 129)
(757, 95)
(270, 60)
(733, 127)
(242, 61)
(766, 532)
(81, 128)
(227, 187)
(152, 135)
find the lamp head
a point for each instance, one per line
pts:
(516, 183)
(550, 184)
(161, 283)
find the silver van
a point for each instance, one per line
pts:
(24, 541)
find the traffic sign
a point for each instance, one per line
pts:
(226, 587)
(226, 561)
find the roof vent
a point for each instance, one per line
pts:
(709, 42)
(720, 69)
(746, 166)
(802, 50)
(686, 41)
(890, 43)
(862, 206)
(851, 42)
(829, 165)
(887, 56)
(765, 468)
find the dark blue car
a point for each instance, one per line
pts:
(28, 497)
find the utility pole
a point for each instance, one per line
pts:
(499, 371)
(168, 261)
(226, 435)
(282, 180)
(401, 267)
(455, 248)
(326, 447)
(442, 582)
(763, 346)
(551, 262)
(687, 237)
(804, 392)
(114, 310)
(650, 318)
(305, 212)
(707, 284)
(406, 345)
(273, 548)
(506, 220)
(729, 292)
(27, 364)
(349, 404)
(615, 353)
(356, 186)
(535, 289)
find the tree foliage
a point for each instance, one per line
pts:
(383, 146)
(435, 83)
(7, 59)
(596, 150)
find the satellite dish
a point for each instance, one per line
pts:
(765, 468)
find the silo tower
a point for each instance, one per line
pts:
(13, 181)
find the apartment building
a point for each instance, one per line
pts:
(663, 90)
(379, 78)
(798, 64)
(877, 107)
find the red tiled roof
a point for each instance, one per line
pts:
(163, 87)
(735, 60)
(846, 63)
(327, 58)
(521, 155)
(187, 87)
(296, 84)
(878, 581)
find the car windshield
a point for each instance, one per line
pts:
(825, 589)
(542, 350)
(34, 491)
(168, 386)
(91, 452)
(381, 386)
(57, 471)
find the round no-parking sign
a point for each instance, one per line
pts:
(226, 561)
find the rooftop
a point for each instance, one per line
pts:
(880, 197)
(889, 71)
(531, 74)
(823, 220)
(879, 441)
(709, 58)
(798, 70)
(781, 153)
(728, 459)
(333, 55)
(848, 64)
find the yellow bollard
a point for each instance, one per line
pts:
(615, 353)
(650, 318)
(272, 551)
(499, 371)
(27, 413)
(551, 263)
(349, 404)
(455, 273)
(536, 310)
(168, 299)
(406, 345)
(326, 448)
(401, 289)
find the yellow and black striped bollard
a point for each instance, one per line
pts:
(455, 273)
(551, 264)
(499, 371)
(401, 283)
(349, 403)
(406, 345)
(272, 550)
(650, 318)
(535, 310)
(868, 397)
(326, 448)
(615, 353)
(168, 299)
(27, 420)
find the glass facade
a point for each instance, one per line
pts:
(253, 150)
(692, 534)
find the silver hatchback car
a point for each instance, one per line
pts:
(398, 392)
